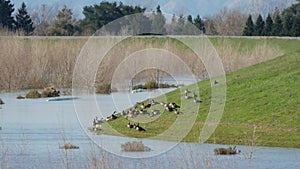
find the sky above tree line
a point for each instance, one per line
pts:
(186, 7)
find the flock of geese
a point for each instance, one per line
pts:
(143, 109)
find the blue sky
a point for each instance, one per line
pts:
(193, 7)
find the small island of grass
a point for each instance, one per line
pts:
(135, 146)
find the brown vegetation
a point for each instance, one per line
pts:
(37, 62)
(32, 63)
(134, 146)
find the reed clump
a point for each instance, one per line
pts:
(135, 146)
(33, 94)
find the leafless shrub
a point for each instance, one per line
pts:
(134, 146)
(227, 22)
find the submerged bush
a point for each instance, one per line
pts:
(33, 94)
(138, 87)
(226, 151)
(20, 97)
(151, 84)
(1, 101)
(134, 146)
(50, 92)
(103, 88)
(68, 146)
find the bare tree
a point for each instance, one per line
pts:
(42, 17)
(229, 22)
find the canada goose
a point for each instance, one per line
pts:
(129, 125)
(143, 106)
(155, 112)
(112, 117)
(139, 128)
(216, 82)
(123, 113)
(174, 105)
(97, 121)
(186, 91)
(186, 96)
(177, 112)
(197, 101)
(195, 95)
(97, 127)
(162, 103)
(153, 103)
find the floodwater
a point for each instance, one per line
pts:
(33, 130)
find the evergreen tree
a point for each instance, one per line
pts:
(64, 25)
(268, 26)
(198, 22)
(288, 20)
(23, 20)
(158, 22)
(277, 28)
(259, 26)
(295, 30)
(190, 19)
(99, 15)
(6, 11)
(249, 28)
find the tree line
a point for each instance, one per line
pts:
(225, 22)
(285, 23)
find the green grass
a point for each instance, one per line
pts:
(266, 95)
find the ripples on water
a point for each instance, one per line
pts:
(33, 130)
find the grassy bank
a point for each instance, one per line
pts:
(262, 105)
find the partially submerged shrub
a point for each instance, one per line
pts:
(1, 101)
(135, 146)
(103, 88)
(165, 85)
(138, 87)
(68, 146)
(33, 94)
(50, 92)
(226, 151)
(151, 84)
(20, 97)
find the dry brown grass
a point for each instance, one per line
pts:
(30, 62)
(37, 62)
(233, 58)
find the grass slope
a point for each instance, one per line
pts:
(262, 104)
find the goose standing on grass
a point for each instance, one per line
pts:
(112, 117)
(197, 101)
(177, 112)
(216, 82)
(173, 105)
(186, 96)
(139, 128)
(195, 95)
(143, 106)
(154, 112)
(186, 91)
(97, 123)
(153, 103)
(123, 113)
(129, 125)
